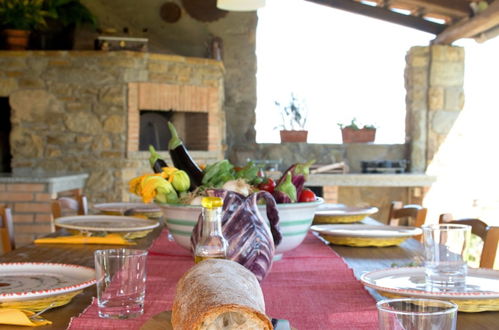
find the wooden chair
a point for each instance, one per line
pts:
(6, 230)
(416, 213)
(66, 206)
(489, 235)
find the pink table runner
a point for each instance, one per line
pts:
(311, 286)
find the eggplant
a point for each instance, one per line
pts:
(182, 160)
(299, 172)
(157, 163)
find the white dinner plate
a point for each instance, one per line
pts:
(122, 207)
(26, 281)
(343, 210)
(340, 213)
(481, 283)
(108, 223)
(359, 230)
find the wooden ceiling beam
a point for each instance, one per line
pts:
(447, 7)
(384, 14)
(482, 22)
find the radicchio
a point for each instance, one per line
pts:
(251, 241)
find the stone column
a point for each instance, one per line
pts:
(434, 79)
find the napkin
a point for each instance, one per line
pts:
(116, 239)
(21, 317)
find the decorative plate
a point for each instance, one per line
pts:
(365, 235)
(339, 213)
(130, 209)
(105, 223)
(481, 293)
(21, 281)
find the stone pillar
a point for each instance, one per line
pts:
(434, 79)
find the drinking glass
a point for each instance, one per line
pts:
(121, 282)
(446, 247)
(416, 314)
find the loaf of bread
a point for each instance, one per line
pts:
(219, 294)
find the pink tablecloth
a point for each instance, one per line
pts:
(311, 286)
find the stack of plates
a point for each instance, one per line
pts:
(132, 227)
(481, 292)
(149, 211)
(339, 213)
(36, 286)
(365, 235)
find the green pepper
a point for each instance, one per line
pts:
(248, 172)
(218, 173)
(286, 186)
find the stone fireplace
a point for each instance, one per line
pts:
(192, 109)
(79, 112)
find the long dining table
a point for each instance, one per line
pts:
(357, 258)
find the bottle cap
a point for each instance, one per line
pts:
(212, 202)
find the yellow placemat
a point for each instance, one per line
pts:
(364, 241)
(463, 305)
(13, 316)
(116, 239)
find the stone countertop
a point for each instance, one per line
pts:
(371, 180)
(56, 181)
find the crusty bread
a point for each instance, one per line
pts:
(219, 294)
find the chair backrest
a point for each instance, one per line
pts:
(65, 206)
(489, 235)
(415, 212)
(398, 211)
(6, 229)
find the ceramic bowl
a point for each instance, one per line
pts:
(295, 220)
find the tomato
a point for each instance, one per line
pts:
(307, 195)
(267, 185)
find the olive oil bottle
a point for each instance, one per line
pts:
(212, 244)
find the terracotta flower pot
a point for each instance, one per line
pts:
(363, 135)
(16, 39)
(293, 136)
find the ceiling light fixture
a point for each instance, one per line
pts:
(240, 5)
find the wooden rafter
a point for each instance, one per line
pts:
(446, 7)
(384, 14)
(482, 22)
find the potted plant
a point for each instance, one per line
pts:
(294, 118)
(18, 18)
(64, 16)
(353, 133)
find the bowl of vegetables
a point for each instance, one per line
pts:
(286, 215)
(295, 220)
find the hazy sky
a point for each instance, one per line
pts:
(344, 65)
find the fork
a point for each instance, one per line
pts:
(37, 314)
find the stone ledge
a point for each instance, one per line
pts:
(121, 53)
(371, 180)
(56, 182)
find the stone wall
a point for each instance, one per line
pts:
(434, 80)
(351, 154)
(69, 111)
(191, 37)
